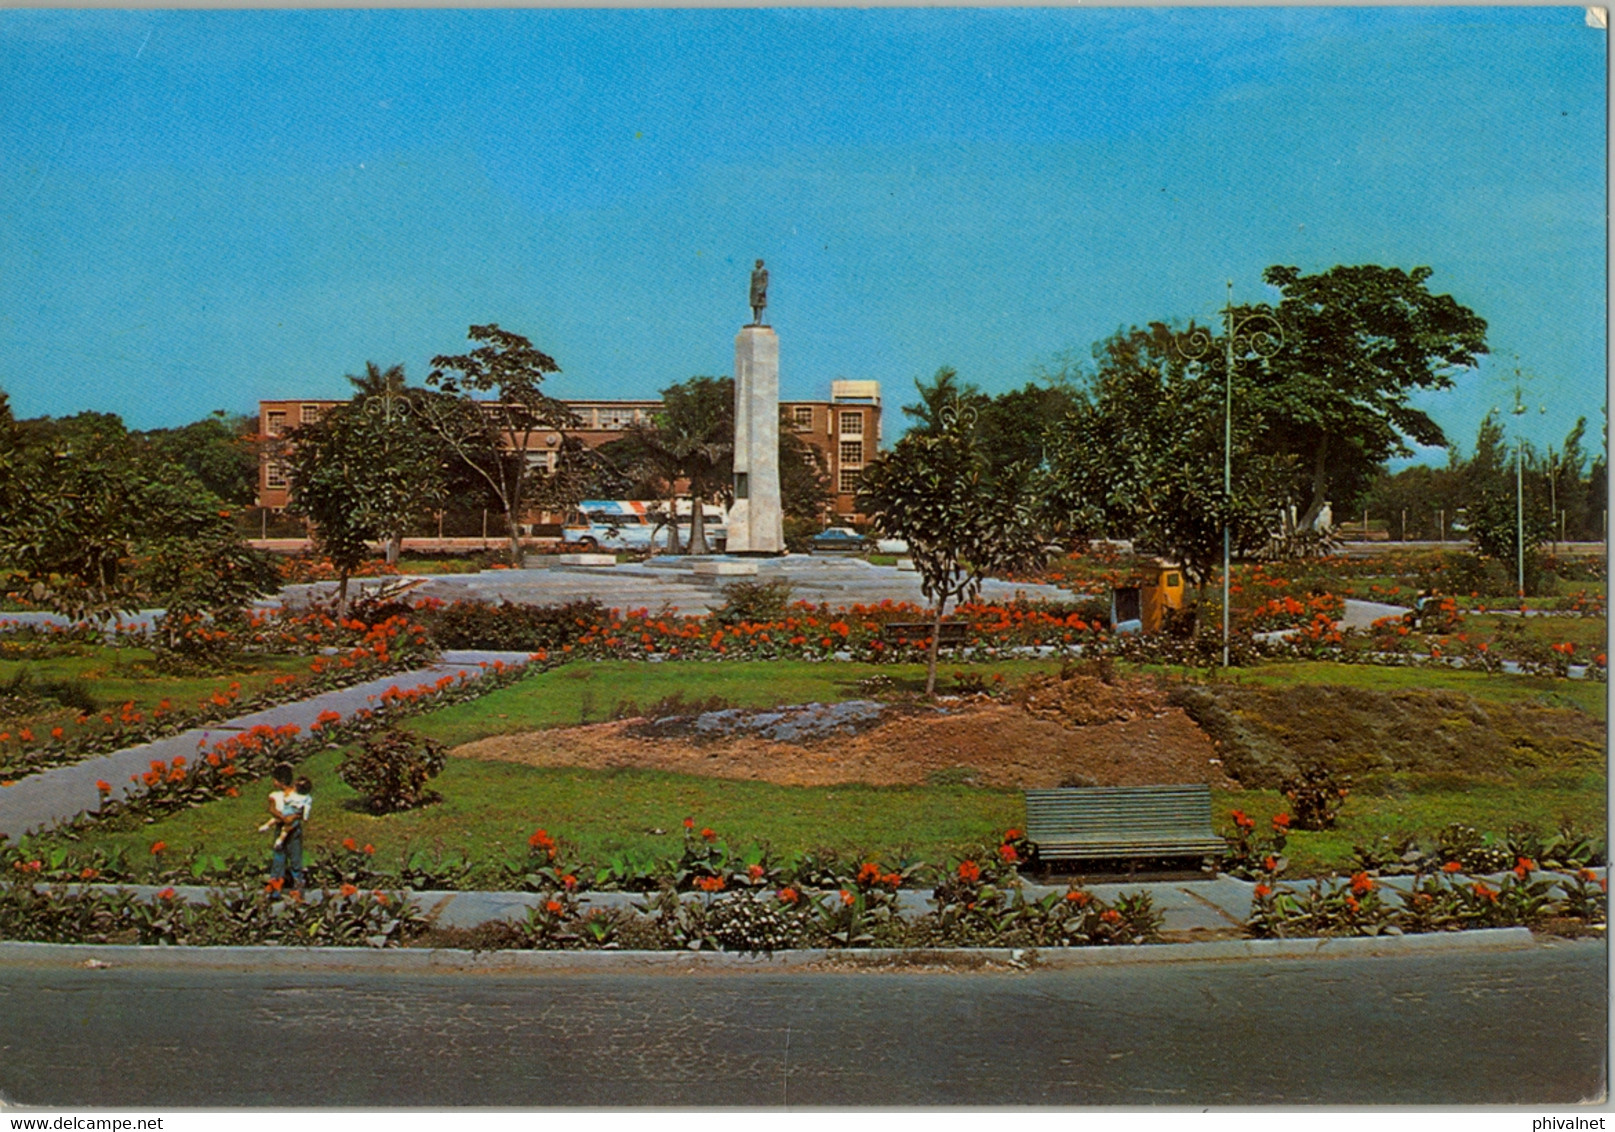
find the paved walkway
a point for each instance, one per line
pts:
(59, 794)
(666, 580)
(1188, 907)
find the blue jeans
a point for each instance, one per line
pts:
(289, 856)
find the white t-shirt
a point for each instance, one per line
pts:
(292, 804)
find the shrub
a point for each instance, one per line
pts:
(391, 768)
(1315, 796)
(754, 601)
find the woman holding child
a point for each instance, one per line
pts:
(289, 806)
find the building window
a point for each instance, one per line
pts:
(275, 421)
(275, 475)
(852, 424)
(802, 418)
(309, 414)
(852, 452)
(616, 418)
(849, 481)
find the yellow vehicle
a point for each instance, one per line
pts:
(1140, 604)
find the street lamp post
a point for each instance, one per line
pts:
(1257, 333)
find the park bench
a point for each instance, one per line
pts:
(1121, 823)
(950, 633)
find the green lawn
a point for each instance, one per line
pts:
(587, 692)
(117, 675)
(1544, 804)
(1588, 695)
(490, 809)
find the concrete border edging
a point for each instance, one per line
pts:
(428, 961)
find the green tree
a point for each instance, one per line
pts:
(697, 425)
(95, 522)
(219, 450)
(1358, 342)
(405, 461)
(1141, 457)
(361, 471)
(493, 437)
(932, 491)
(942, 394)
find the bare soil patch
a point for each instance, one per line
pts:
(1141, 741)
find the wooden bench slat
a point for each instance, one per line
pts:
(1122, 821)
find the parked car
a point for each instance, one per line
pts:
(838, 540)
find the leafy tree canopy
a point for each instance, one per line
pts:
(97, 522)
(932, 490)
(1358, 342)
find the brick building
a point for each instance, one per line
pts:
(846, 428)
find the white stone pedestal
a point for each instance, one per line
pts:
(756, 523)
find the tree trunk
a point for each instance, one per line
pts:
(673, 526)
(1320, 486)
(513, 530)
(394, 545)
(930, 658)
(342, 596)
(698, 527)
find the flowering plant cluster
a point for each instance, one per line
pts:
(1445, 900)
(345, 917)
(220, 769)
(366, 652)
(1316, 614)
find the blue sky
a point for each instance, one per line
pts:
(199, 209)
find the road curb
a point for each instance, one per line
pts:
(451, 960)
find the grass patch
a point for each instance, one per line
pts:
(1423, 809)
(116, 675)
(589, 693)
(1585, 695)
(490, 809)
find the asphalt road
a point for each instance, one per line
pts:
(1454, 1028)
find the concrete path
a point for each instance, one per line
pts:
(672, 581)
(1189, 908)
(60, 794)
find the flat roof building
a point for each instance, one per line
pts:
(845, 428)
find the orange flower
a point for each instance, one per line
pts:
(847, 898)
(788, 895)
(969, 871)
(1524, 867)
(1361, 883)
(275, 884)
(103, 786)
(1007, 853)
(554, 906)
(1452, 867)
(755, 872)
(348, 890)
(350, 844)
(1110, 916)
(166, 894)
(689, 823)
(157, 847)
(1078, 897)
(368, 849)
(1281, 821)
(1263, 892)
(708, 835)
(710, 884)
